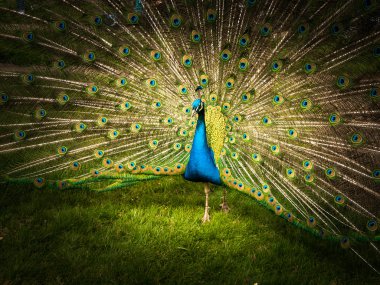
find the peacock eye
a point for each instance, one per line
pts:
(265, 30)
(98, 20)
(376, 51)
(187, 61)
(175, 21)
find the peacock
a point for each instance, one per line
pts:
(276, 99)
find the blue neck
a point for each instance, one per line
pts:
(201, 166)
(200, 138)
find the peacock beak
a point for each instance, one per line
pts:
(193, 113)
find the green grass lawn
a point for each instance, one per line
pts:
(151, 233)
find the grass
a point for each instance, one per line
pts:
(151, 233)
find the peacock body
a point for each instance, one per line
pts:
(99, 95)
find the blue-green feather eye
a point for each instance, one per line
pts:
(225, 55)
(230, 83)
(19, 135)
(243, 64)
(310, 68)
(203, 80)
(275, 149)
(135, 128)
(187, 61)
(62, 150)
(28, 78)
(113, 134)
(336, 29)
(309, 178)
(277, 65)
(4, 98)
(92, 89)
(121, 82)
(277, 100)
(40, 113)
(303, 28)
(290, 173)
(62, 98)
(195, 37)
(307, 165)
(369, 4)
(244, 40)
(75, 165)
(168, 121)
(102, 121)
(311, 222)
(339, 200)
(356, 139)
(152, 83)
(237, 118)
(177, 146)
(250, 3)
(125, 51)
(374, 93)
(256, 157)
(306, 104)
(60, 25)
(226, 107)
(245, 97)
(376, 175)
(265, 30)
(342, 81)
(292, 133)
(345, 242)
(39, 182)
(89, 56)
(372, 225)
(376, 51)
(157, 104)
(211, 15)
(98, 153)
(133, 18)
(175, 21)
(29, 37)
(98, 20)
(266, 121)
(334, 119)
(156, 55)
(182, 89)
(330, 173)
(60, 64)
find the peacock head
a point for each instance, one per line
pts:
(198, 106)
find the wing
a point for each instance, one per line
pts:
(216, 130)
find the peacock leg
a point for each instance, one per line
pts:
(224, 206)
(206, 217)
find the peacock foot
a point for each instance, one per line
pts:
(206, 217)
(224, 207)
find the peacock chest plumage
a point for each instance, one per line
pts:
(202, 166)
(99, 95)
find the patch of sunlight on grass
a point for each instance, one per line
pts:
(151, 233)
